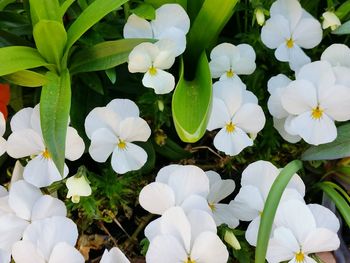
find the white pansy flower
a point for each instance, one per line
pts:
(188, 239)
(331, 20)
(237, 114)
(176, 185)
(171, 23)
(276, 86)
(23, 205)
(298, 234)
(289, 29)
(256, 182)
(112, 130)
(50, 240)
(2, 131)
(115, 255)
(219, 190)
(153, 59)
(78, 185)
(229, 61)
(27, 140)
(316, 101)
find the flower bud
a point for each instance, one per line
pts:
(260, 16)
(331, 20)
(231, 239)
(78, 185)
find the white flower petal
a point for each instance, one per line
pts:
(22, 197)
(279, 126)
(195, 202)
(17, 173)
(251, 235)
(324, 217)
(342, 75)
(164, 173)
(208, 248)
(232, 143)
(24, 142)
(3, 145)
(336, 102)
(297, 58)
(275, 31)
(219, 115)
(78, 186)
(276, 82)
(337, 55)
(250, 118)
(274, 104)
(64, 252)
(162, 82)
(220, 190)
(137, 27)
(219, 66)
(48, 206)
(156, 198)
(142, 57)
(213, 177)
(132, 158)
(134, 129)
(103, 143)
(2, 124)
(320, 240)
(249, 97)
(11, 230)
(74, 145)
(113, 256)
(246, 63)
(5, 256)
(314, 131)
(308, 33)
(124, 108)
(224, 214)
(165, 58)
(26, 252)
(200, 222)
(282, 53)
(153, 229)
(290, 9)
(35, 119)
(21, 120)
(176, 44)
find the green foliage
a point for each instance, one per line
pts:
(26, 78)
(145, 11)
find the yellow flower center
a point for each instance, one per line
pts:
(299, 257)
(290, 43)
(189, 260)
(152, 71)
(212, 207)
(230, 127)
(317, 113)
(121, 145)
(46, 154)
(230, 73)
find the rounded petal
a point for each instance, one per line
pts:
(165, 58)
(124, 108)
(195, 202)
(220, 190)
(24, 143)
(21, 120)
(223, 214)
(134, 129)
(113, 256)
(137, 27)
(250, 118)
(324, 217)
(17, 173)
(64, 252)
(232, 143)
(260, 174)
(219, 115)
(277, 82)
(142, 57)
(314, 131)
(5, 256)
(22, 198)
(279, 126)
(103, 143)
(3, 145)
(153, 229)
(208, 248)
(297, 58)
(164, 173)
(251, 235)
(35, 119)
(11, 230)
(289, 9)
(156, 198)
(74, 145)
(78, 186)
(219, 66)
(175, 47)
(320, 240)
(132, 158)
(2, 124)
(162, 82)
(274, 104)
(308, 33)
(200, 222)
(275, 31)
(48, 206)
(342, 75)
(26, 252)
(337, 55)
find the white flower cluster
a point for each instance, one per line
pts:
(308, 106)
(235, 110)
(169, 27)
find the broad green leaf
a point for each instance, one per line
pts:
(343, 10)
(17, 58)
(64, 7)
(159, 3)
(44, 10)
(9, 39)
(191, 104)
(271, 204)
(50, 39)
(344, 29)
(54, 114)
(104, 55)
(26, 78)
(339, 201)
(212, 17)
(90, 16)
(145, 11)
(337, 149)
(4, 3)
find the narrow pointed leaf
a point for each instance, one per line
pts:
(191, 103)
(64, 7)
(44, 9)
(17, 58)
(54, 115)
(26, 78)
(270, 208)
(104, 55)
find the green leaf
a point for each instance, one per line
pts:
(271, 204)
(343, 10)
(16, 58)
(159, 3)
(90, 16)
(191, 102)
(9, 39)
(4, 3)
(211, 17)
(104, 55)
(344, 29)
(44, 9)
(26, 78)
(54, 114)
(111, 74)
(145, 11)
(64, 7)
(337, 149)
(339, 201)
(50, 39)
